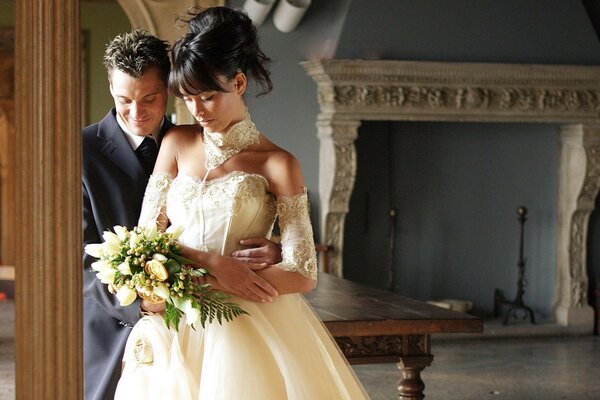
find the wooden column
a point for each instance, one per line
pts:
(48, 266)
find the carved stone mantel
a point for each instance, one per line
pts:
(350, 91)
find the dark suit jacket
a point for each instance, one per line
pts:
(114, 182)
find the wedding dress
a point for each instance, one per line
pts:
(281, 350)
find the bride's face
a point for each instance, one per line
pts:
(217, 111)
(141, 103)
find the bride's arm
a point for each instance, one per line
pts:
(233, 276)
(297, 272)
(165, 169)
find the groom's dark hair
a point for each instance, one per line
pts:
(135, 53)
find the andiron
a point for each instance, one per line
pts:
(517, 304)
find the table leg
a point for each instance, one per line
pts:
(412, 353)
(411, 385)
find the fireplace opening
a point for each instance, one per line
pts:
(433, 211)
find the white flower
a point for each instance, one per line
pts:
(181, 303)
(121, 232)
(162, 291)
(126, 295)
(191, 315)
(134, 239)
(106, 276)
(160, 257)
(150, 231)
(101, 266)
(95, 250)
(124, 268)
(111, 248)
(110, 237)
(175, 231)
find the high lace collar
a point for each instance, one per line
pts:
(219, 147)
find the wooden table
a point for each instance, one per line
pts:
(375, 326)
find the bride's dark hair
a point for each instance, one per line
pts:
(220, 43)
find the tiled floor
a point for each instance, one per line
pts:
(542, 363)
(539, 368)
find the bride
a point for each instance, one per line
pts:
(222, 180)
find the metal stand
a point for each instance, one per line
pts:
(518, 303)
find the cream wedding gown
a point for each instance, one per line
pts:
(280, 351)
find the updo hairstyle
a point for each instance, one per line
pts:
(220, 43)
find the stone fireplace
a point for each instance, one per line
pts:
(351, 91)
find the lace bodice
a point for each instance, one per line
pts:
(216, 214)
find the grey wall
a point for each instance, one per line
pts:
(516, 31)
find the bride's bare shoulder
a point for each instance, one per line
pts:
(182, 133)
(283, 171)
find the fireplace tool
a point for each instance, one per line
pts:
(517, 304)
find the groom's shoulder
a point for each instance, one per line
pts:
(92, 131)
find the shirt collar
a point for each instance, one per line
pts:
(133, 139)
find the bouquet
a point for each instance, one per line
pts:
(145, 263)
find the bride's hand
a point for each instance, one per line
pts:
(237, 277)
(234, 276)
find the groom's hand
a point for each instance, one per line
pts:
(258, 251)
(152, 307)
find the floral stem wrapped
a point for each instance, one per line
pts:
(145, 263)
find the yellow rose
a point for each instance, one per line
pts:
(156, 268)
(144, 291)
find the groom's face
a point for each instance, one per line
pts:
(140, 102)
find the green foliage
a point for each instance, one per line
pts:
(214, 305)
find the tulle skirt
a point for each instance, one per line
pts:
(280, 351)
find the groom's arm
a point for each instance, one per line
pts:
(259, 251)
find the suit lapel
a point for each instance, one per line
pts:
(114, 146)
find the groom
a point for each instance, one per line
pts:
(118, 156)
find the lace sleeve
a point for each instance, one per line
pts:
(297, 243)
(155, 198)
